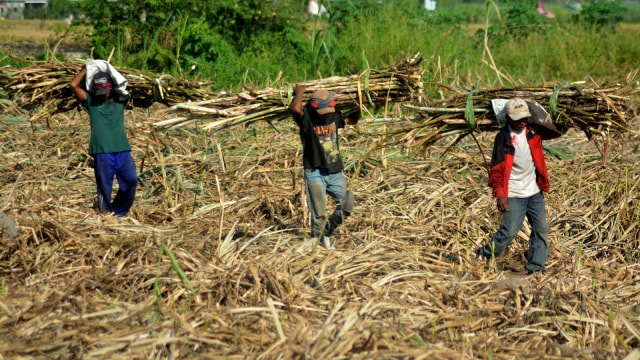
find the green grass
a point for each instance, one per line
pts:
(564, 52)
(542, 50)
(570, 54)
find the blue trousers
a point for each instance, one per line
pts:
(534, 209)
(121, 166)
(320, 183)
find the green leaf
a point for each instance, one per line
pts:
(553, 100)
(558, 153)
(469, 115)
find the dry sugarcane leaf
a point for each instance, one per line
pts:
(43, 88)
(399, 83)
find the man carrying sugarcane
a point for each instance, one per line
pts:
(319, 122)
(519, 177)
(108, 144)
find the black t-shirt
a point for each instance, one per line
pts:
(320, 140)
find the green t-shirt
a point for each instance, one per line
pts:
(107, 126)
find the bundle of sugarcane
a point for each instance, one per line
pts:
(399, 83)
(595, 111)
(44, 88)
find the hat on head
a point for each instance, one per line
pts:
(322, 101)
(102, 83)
(517, 109)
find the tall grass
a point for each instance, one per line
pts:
(374, 35)
(570, 53)
(564, 51)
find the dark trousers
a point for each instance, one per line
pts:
(121, 166)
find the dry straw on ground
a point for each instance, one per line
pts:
(214, 261)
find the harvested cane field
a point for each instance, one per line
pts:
(214, 260)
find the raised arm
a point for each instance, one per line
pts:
(548, 134)
(296, 105)
(76, 87)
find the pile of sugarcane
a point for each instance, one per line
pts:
(43, 89)
(596, 111)
(372, 88)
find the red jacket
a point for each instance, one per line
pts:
(503, 153)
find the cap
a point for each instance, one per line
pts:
(322, 101)
(517, 109)
(102, 83)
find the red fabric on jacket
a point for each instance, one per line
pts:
(502, 159)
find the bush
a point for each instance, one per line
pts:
(520, 20)
(601, 14)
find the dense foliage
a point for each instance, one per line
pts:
(601, 14)
(253, 42)
(519, 22)
(172, 36)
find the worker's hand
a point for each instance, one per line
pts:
(503, 204)
(299, 89)
(296, 105)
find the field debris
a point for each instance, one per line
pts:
(213, 262)
(598, 112)
(8, 227)
(370, 89)
(43, 88)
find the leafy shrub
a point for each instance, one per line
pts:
(601, 14)
(520, 20)
(444, 16)
(203, 47)
(345, 13)
(59, 9)
(239, 21)
(250, 41)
